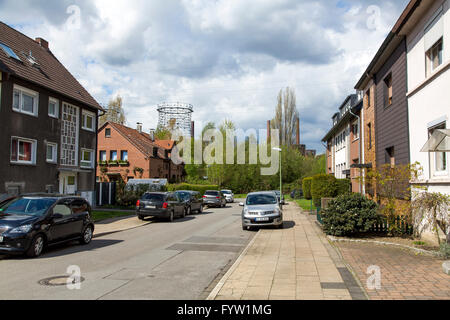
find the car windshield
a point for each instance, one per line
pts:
(212, 193)
(261, 199)
(153, 197)
(226, 191)
(184, 195)
(28, 206)
(277, 192)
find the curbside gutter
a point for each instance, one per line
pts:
(222, 281)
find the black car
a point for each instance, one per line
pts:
(193, 201)
(167, 205)
(29, 223)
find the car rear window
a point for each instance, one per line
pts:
(212, 193)
(226, 191)
(153, 197)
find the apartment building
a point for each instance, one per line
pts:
(48, 121)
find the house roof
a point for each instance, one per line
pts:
(166, 144)
(348, 116)
(50, 73)
(388, 46)
(141, 141)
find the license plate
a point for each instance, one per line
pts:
(150, 207)
(1, 239)
(262, 219)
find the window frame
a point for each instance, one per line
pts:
(434, 173)
(56, 101)
(429, 57)
(121, 155)
(86, 113)
(111, 153)
(106, 133)
(91, 161)
(55, 153)
(33, 151)
(29, 92)
(388, 84)
(100, 155)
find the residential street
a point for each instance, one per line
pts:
(159, 260)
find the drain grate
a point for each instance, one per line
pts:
(58, 281)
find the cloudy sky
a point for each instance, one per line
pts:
(229, 58)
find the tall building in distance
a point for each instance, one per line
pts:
(176, 116)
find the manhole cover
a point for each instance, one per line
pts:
(59, 281)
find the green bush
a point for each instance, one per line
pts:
(349, 214)
(192, 187)
(445, 250)
(323, 186)
(307, 188)
(343, 186)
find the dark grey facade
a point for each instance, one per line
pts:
(41, 176)
(392, 133)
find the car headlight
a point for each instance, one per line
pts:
(22, 229)
(245, 211)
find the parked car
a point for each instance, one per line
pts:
(29, 223)
(261, 209)
(279, 196)
(193, 201)
(214, 198)
(229, 196)
(167, 205)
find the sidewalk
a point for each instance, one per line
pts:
(294, 263)
(117, 224)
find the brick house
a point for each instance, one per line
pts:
(48, 121)
(126, 153)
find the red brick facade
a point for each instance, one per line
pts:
(143, 153)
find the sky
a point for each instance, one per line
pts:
(228, 58)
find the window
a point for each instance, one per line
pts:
(388, 90)
(87, 159)
(355, 130)
(88, 120)
(369, 130)
(108, 133)
(390, 156)
(434, 57)
(25, 101)
(102, 155)
(9, 52)
(53, 107)
(440, 158)
(124, 155)
(52, 156)
(368, 98)
(113, 155)
(23, 151)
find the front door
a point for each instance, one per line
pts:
(67, 183)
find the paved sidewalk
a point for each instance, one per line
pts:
(294, 263)
(117, 224)
(404, 274)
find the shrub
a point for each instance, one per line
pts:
(349, 214)
(445, 250)
(192, 187)
(343, 186)
(307, 188)
(323, 186)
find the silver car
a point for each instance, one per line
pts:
(229, 196)
(261, 209)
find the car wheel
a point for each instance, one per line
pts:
(188, 211)
(280, 226)
(37, 246)
(170, 219)
(184, 214)
(141, 217)
(201, 209)
(86, 237)
(244, 228)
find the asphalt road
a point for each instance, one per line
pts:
(160, 260)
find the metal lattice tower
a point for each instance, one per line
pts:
(177, 115)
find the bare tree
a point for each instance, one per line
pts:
(286, 115)
(114, 113)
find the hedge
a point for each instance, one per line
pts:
(192, 187)
(343, 186)
(323, 186)
(307, 188)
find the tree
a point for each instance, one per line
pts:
(286, 115)
(162, 133)
(114, 113)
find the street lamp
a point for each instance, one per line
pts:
(281, 177)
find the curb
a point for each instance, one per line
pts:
(426, 252)
(222, 281)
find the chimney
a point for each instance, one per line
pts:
(152, 134)
(192, 129)
(268, 131)
(139, 127)
(43, 43)
(298, 131)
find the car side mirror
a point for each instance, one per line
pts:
(57, 216)
(241, 204)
